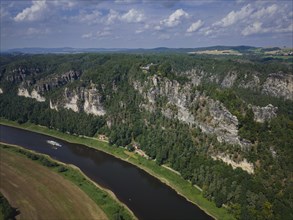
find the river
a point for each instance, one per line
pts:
(145, 195)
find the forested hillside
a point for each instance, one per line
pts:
(224, 122)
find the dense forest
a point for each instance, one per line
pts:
(265, 194)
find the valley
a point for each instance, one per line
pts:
(212, 118)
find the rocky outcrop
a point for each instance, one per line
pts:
(92, 102)
(34, 94)
(81, 99)
(229, 80)
(275, 84)
(56, 81)
(244, 165)
(250, 82)
(55, 107)
(27, 76)
(71, 101)
(262, 114)
(279, 85)
(21, 73)
(189, 106)
(195, 76)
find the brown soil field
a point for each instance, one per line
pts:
(39, 193)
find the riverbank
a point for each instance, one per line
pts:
(166, 176)
(97, 202)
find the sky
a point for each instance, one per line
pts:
(145, 23)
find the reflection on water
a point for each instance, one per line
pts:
(147, 197)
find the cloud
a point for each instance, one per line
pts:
(87, 36)
(195, 26)
(32, 13)
(233, 17)
(35, 31)
(98, 35)
(265, 12)
(90, 18)
(257, 28)
(139, 31)
(104, 33)
(175, 18)
(66, 5)
(251, 19)
(132, 16)
(112, 16)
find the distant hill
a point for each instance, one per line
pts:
(65, 50)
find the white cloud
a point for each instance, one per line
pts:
(158, 27)
(207, 31)
(90, 18)
(35, 31)
(233, 17)
(175, 18)
(288, 29)
(32, 13)
(195, 26)
(104, 33)
(133, 16)
(139, 31)
(255, 28)
(265, 12)
(88, 35)
(64, 4)
(98, 35)
(112, 16)
(251, 19)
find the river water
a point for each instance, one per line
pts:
(146, 196)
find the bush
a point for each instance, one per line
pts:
(62, 169)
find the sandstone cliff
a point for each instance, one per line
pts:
(80, 99)
(189, 106)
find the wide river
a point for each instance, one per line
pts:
(146, 196)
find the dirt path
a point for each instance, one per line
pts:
(39, 193)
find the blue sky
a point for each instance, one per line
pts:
(145, 23)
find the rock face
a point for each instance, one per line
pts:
(229, 80)
(262, 114)
(55, 107)
(279, 85)
(21, 73)
(27, 76)
(71, 101)
(57, 81)
(244, 165)
(80, 99)
(252, 83)
(92, 102)
(275, 84)
(189, 106)
(34, 94)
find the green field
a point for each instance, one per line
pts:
(168, 177)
